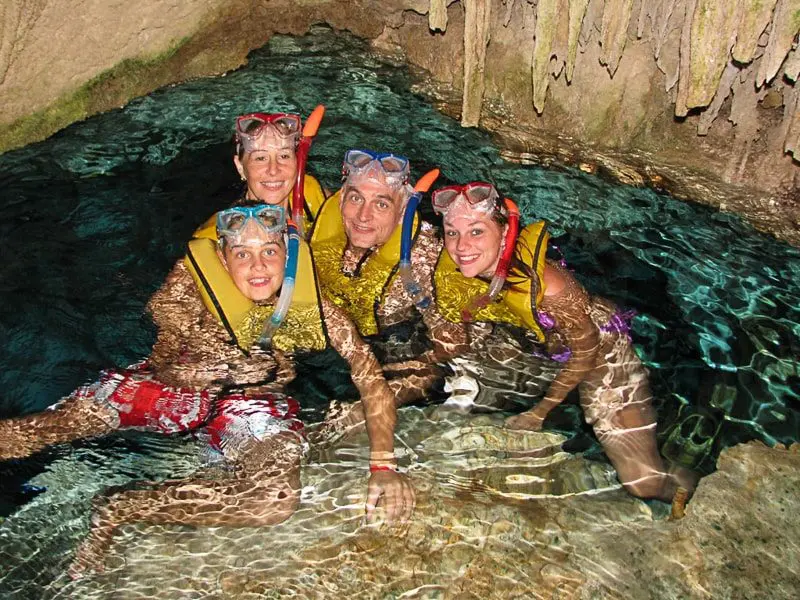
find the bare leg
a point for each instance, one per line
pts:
(71, 419)
(617, 402)
(265, 490)
(631, 447)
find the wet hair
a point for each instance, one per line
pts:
(406, 190)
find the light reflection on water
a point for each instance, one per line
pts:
(94, 217)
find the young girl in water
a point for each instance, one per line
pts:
(206, 373)
(588, 333)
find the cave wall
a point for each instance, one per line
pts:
(702, 85)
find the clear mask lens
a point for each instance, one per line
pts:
(479, 196)
(395, 169)
(234, 221)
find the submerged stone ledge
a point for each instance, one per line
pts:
(695, 96)
(500, 514)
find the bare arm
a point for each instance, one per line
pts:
(568, 303)
(379, 407)
(174, 307)
(367, 377)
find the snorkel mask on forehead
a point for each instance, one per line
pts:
(359, 163)
(287, 127)
(482, 197)
(249, 127)
(237, 223)
(242, 225)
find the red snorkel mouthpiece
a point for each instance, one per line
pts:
(298, 193)
(501, 271)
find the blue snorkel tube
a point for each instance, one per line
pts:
(410, 284)
(287, 289)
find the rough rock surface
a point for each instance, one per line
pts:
(597, 78)
(499, 514)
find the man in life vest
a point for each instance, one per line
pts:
(375, 260)
(207, 373)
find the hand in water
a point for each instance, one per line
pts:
(395, 493)
(529, 421)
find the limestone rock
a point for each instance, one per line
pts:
(754, 18)
(616, 18)
(476, 37)
(784, 29)
(577, 10)
(713, 31)
(437, 17)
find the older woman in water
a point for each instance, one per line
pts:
(270, 156)
(489, 272)
(207, 373)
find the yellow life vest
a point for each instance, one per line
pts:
(514, 303)
(315, 197)
(303, 327)
(361, 294)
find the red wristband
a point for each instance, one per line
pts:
(376, 468)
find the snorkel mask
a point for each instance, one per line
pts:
(482, 197)
(394, 170)
(287, 127)
(364, 163)
(242, 225)
(251, 126)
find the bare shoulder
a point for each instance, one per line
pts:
(555, 279)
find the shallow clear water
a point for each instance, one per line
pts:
(94, 217)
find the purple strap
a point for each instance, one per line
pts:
(619, 322)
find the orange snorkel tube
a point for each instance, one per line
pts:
(298, 194)
(501, 271)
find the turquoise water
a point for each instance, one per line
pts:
(94, 217)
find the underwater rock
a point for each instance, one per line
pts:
(474, 534)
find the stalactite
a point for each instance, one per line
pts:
(723, 91)
(792, 117)
(785, 25)
(616, 18)
(594, 14)
(509, 7)
(792, 70)
(681, 109)
(437, 15)
(755, 17)
(476, 38)
(661, 20)
(644, 13)
(713, 33)
(577, 10)
(546, 25)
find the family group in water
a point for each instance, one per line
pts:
(290, 268)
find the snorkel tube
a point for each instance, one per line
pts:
(411, 285)
(298, 194)
(287, 289)
(501, 271)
